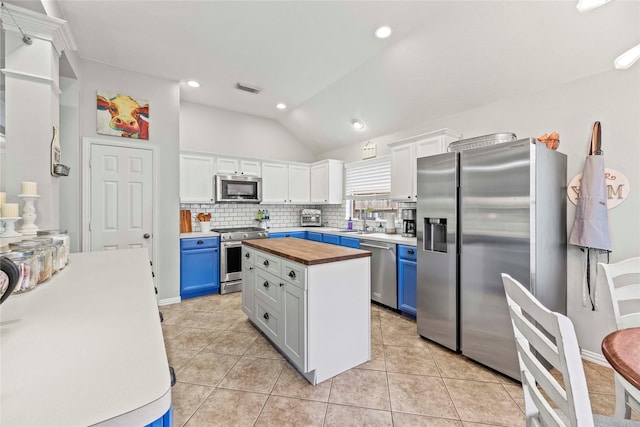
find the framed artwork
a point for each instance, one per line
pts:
(122, 115)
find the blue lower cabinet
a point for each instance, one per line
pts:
(407, 279)
(164, 421)
(199, 266)
(330, 238)
(350, 242)
(296, 234)
(314, 235)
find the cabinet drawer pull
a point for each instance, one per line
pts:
(250, 268)
(281, 284)
(199, 242)
(410, 252)
(266, 263)
(266, 316)
(247, 255)
(265, 284)
(292, 274)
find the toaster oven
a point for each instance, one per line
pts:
(311, 218)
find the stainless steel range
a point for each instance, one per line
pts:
(231, 257)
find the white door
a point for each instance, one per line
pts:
(121, 198)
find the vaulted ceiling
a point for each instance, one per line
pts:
(321, 59)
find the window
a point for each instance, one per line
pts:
(368, 189)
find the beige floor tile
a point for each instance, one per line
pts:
(361, 387)
(484, 402)
(452, 365)
(292, 384)
(377, 362)
(261, 347)
(243, 325)
(194, 339)
(410, 360)
(402, 338)
(229, 408)
(207, 303)
(178, 357)
(469, 424)
(206, 368)
(171, 331)
(376, 334)
(232, 305)
(516, 393)
(231, 342)
(600, 379)
(253, 374)
(186, 398)
(422, 395)
(603, 404)
(285, 411)
(401, 419)
(352, 416)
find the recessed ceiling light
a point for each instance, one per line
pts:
(587, 5)
(193, 83)
(628, 58)
(281, 106)
(357, 124)
(382, 32)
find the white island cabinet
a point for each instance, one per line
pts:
(85, 347)
(312, 301)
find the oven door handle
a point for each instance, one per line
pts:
(231, 244)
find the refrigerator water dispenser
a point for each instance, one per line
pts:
(435, 230)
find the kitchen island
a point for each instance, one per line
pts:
(86, 347)
(312, 301)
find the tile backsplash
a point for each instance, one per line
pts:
(231, 215)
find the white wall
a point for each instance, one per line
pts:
(214, 130)
(613, 98)
(164, 108)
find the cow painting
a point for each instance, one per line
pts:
(122, 115)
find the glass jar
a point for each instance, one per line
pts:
(59, 235)
(42, 253)
(28, 266)
(52, 253)
(60, 251)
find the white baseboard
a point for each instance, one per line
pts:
(595, 358)
(168, 301)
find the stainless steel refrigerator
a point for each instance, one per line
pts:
(482, 212)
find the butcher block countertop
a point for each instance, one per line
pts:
(305, 251)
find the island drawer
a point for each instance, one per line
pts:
(295, 274)
(268, 319)
(268, 262)
(248, 255)
(268, 287)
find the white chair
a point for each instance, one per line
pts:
(624, 292)
(542, 333)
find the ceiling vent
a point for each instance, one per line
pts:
(246, 88)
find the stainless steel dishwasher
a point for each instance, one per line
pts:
(384, 287)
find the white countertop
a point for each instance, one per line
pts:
(381, 237)
(196, 234)
(85, 347)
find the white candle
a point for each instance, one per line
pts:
(10, 210)
(30, 188)
(3, 197)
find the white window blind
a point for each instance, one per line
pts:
(368, 179)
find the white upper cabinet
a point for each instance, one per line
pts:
(299, 188)
(196, 178)
(282, 183)
(230, 166)
(327, 182)
(403, 160)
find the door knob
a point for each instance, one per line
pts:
(146, 235)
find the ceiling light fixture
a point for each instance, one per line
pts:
(587, 5)
(357, 124)
(193, 83)
(382, 32)
(281, 106)
(628, 58)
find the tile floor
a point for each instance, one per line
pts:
(228, 374)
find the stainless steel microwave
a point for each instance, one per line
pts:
(238, 189)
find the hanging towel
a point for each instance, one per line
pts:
(591, 226)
